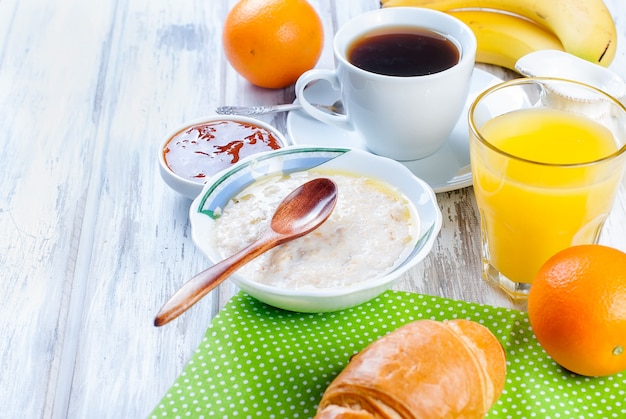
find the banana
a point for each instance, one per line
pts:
(504, 38)
(584, 27)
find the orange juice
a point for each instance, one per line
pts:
(545, 198)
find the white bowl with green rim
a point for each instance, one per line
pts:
(218, 191)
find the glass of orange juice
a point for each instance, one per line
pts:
(547, 158)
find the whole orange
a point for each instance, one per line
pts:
(272, 42)
(577, 309)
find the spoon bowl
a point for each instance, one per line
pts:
(305, 209)
(301, 212)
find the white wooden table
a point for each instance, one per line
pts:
(92, 241)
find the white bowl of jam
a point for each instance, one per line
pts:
(195, 151)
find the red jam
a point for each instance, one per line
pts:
(200, 151)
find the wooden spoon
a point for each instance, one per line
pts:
(301, 212)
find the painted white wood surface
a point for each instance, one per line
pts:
(92, 242)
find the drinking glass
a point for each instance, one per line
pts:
(547, 158)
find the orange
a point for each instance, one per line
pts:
(577, 309)
(272, 42)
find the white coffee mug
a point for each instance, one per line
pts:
(404, 118)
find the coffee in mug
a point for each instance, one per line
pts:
(404, 74)
(403, 52)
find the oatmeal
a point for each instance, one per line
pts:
(369, 233)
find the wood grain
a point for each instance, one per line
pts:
(93, 242)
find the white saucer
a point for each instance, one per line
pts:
(446, 170)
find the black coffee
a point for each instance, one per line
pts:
(403, 52)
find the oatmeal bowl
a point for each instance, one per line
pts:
(385, 222)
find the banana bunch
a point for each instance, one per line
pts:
(506, 30)
(502, 38)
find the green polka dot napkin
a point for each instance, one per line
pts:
(260, 362)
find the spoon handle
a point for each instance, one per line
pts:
(255, 110)
(207, 280)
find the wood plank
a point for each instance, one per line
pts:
(49, 65)
(165, 68)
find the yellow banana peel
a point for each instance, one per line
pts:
(584, 27)
(502, 38)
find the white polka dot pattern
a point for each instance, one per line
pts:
(260, 362)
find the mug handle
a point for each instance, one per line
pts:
(330, 76)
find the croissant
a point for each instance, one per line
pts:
(425, 369)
